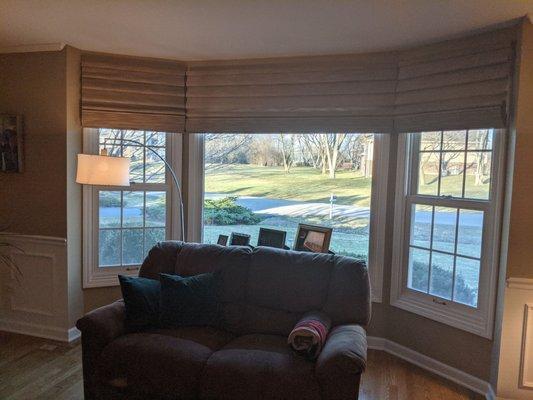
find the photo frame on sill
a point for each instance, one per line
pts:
(312, 238)
(271, 238)
(239, 239)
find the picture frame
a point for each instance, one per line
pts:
(271, 238)
(222, 240)
(312, 238)
(239, 239)
(11, 143)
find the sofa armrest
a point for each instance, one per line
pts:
(105, 323)
(341, 362)
(98, 328)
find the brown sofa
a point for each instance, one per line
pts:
(263, 292)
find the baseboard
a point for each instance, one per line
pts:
(453, 374)
(47, 332)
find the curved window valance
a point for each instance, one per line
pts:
(457, 84)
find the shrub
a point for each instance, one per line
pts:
(226, 211)
(442, 282)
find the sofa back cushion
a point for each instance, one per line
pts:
(267, 290)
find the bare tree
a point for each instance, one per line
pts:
(332, 143)
(224, 148)
(286, 144)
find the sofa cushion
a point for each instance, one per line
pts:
(189, 301)
(160, 362)
(141, 297)
(258, 367)
(288, 280)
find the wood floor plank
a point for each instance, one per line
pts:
(33, 368)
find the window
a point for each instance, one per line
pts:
(277, 181)
(446, 226)
(123, 223)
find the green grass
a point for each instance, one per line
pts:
(302, 183)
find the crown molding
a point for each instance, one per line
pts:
(32, 48)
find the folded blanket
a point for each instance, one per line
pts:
(309, 335)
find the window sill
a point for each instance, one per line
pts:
(97, 277)
(453, 314)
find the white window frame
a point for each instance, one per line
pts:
(480, 320)
(93, 275)
(378, 201)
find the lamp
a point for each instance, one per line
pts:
(105, 170)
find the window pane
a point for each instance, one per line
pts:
(452, 170)
(137, 136)
(132, 246)
(430, 141)
(444, 229)
(441, 275)
(466, 281)
(155, 167)
(421, 225)
(453, 140)
(480, 139)
(470, 233)
(132, 213)
(152, 236)
(136, 154)
(156, 139)
(109, 247)
(109, 209)
(155, 209)
(277, 181)
(418, 269)
(479, 164)
(428, 176)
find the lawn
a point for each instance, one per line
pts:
(302, 183)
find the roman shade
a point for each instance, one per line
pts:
(463, 83)
(304, 94)
(132, 93)
(457, 84)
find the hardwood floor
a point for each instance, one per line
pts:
(32, 368)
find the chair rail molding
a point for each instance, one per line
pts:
(37, 302)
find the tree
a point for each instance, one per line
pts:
(226, 148)
(332, 143)
(286, 144)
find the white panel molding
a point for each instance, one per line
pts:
(37, 303)
(526, 356)
(520, 283)
(429, 364)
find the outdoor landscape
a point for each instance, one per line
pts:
(277, 181)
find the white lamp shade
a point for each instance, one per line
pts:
(103, 170)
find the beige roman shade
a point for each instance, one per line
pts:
(305, 94)
(132, 93)
(457, 84)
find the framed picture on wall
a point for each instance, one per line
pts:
(10, 143)
(312, 238)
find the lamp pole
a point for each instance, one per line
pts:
(170, 169)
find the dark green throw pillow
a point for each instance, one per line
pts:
(189, 301)
(141, 298)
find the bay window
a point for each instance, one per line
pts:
(446, 226)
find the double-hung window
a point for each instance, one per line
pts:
(121, 224)
(446, 226)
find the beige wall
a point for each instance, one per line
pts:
(33, 85)
(520, 258)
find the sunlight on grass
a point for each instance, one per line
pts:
(302, 183)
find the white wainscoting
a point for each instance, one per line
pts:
(36, 303)
(515, 370)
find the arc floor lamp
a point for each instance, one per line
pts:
(106, 170)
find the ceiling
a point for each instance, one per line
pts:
(224, 29)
